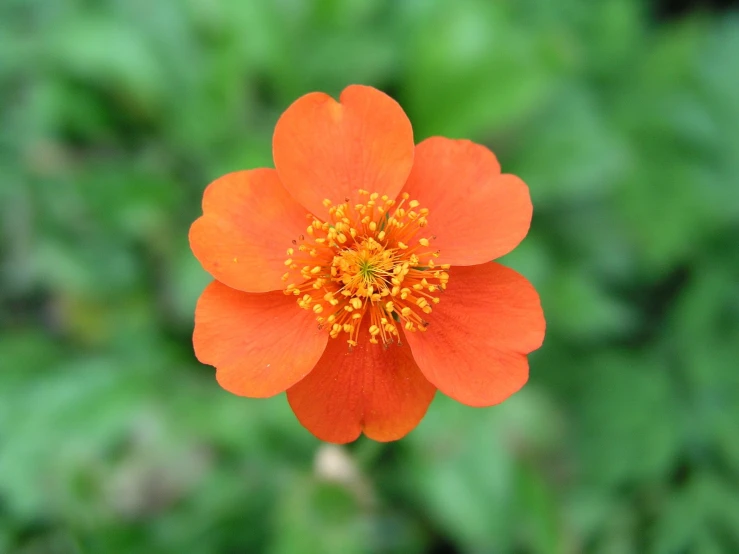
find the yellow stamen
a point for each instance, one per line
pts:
(364, 261)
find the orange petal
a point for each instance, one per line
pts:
(373, 389)
(325, 149)
(260, 344)
(476, 213)
(249, 221)
(479, 334)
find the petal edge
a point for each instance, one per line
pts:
(326, 149)
(376, 390)
(475, 213)
(248, 222)
(475, 349)
(260, 344)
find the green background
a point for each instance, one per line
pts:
(115, 115)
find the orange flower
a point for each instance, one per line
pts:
(384, 291)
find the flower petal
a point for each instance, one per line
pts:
(260, 344)
(476, 213)
(249, 221)
(479, 334)
(325, 149)
(373, 389)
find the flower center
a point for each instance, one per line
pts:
(365, 263)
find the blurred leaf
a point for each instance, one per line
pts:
(540, 525)
(702, 335)
(669, 197)
(127, 64)
(692, 512)
(630, 418)
(462, 469)
(572, 152)
(473, 71)
(577, 305)
(319, 517)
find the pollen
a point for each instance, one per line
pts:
(368, 264)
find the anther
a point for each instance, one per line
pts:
(359, 264)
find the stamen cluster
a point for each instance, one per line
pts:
(366, 260)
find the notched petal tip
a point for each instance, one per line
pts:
(328, 149)
(372, 390)
(476, 213)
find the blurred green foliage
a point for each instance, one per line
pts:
(116, 114)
